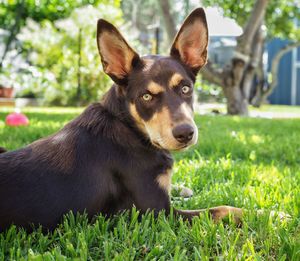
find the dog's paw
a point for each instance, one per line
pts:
(221, 212)
(182, 191)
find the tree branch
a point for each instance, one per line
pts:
(254, 22)
(275, 66)
(257, 49)
(168, 19)
(257, 98)
(210, 74)
(237, 97)
(13, 32)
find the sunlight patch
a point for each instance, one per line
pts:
(257, 139)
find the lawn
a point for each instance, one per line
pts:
(243, 162)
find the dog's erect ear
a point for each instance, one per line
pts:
(117, 57)
(190, 44)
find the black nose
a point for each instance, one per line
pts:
(183, 133)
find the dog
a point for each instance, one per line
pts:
(116, 154)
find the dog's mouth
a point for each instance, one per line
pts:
(156, 144)
(184, 147)
(176, 147)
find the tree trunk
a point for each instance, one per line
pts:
(256, 98)
(238, 77)
(78, 94)
(168, 19)
(232, 77)
(256, 55)
(236, 102)
(9, 41)
(13, 32)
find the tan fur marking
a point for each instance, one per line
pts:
(186, 111)
(218, 213)
(159, 128)
(155, 88)
(136, 117)
(175, 80)
(164, 180)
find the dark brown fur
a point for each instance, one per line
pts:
(116, 153)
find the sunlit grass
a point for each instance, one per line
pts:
(265, 111)
(278, 108)
(244, 162)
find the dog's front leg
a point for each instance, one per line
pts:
(159, 200)
(217, 213)
(148, 196)
(153, 194)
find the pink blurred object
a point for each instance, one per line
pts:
(16, 119)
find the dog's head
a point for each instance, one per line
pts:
(159, 90)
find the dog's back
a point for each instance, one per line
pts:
(66, 171)
(21, 182)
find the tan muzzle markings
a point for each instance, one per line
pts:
(159, 127)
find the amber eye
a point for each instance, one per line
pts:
(147, 97)
(185, 89)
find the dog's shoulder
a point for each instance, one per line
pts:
(109, 122)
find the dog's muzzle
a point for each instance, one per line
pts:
(183, 133)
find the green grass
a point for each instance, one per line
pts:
(271, 111)
(244, 162)
(278, 108)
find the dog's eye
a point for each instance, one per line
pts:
(147, 97)
(185, 89)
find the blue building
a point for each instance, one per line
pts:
(288, 89)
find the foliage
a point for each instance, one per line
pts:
(28, 79)
(14, 13)
(38, 11)
(49, 41)
(54, 56)
(280, 17)
(245, 162)
(208, 92)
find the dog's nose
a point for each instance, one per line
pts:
(183, 133)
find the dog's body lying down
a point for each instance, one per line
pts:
(95, 163)
(116, 153)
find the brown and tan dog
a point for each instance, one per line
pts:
(116, 154)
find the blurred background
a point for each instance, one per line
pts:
(49, 57)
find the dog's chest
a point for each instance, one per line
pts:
(158, 161)
(156, 167)
(164, 180)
